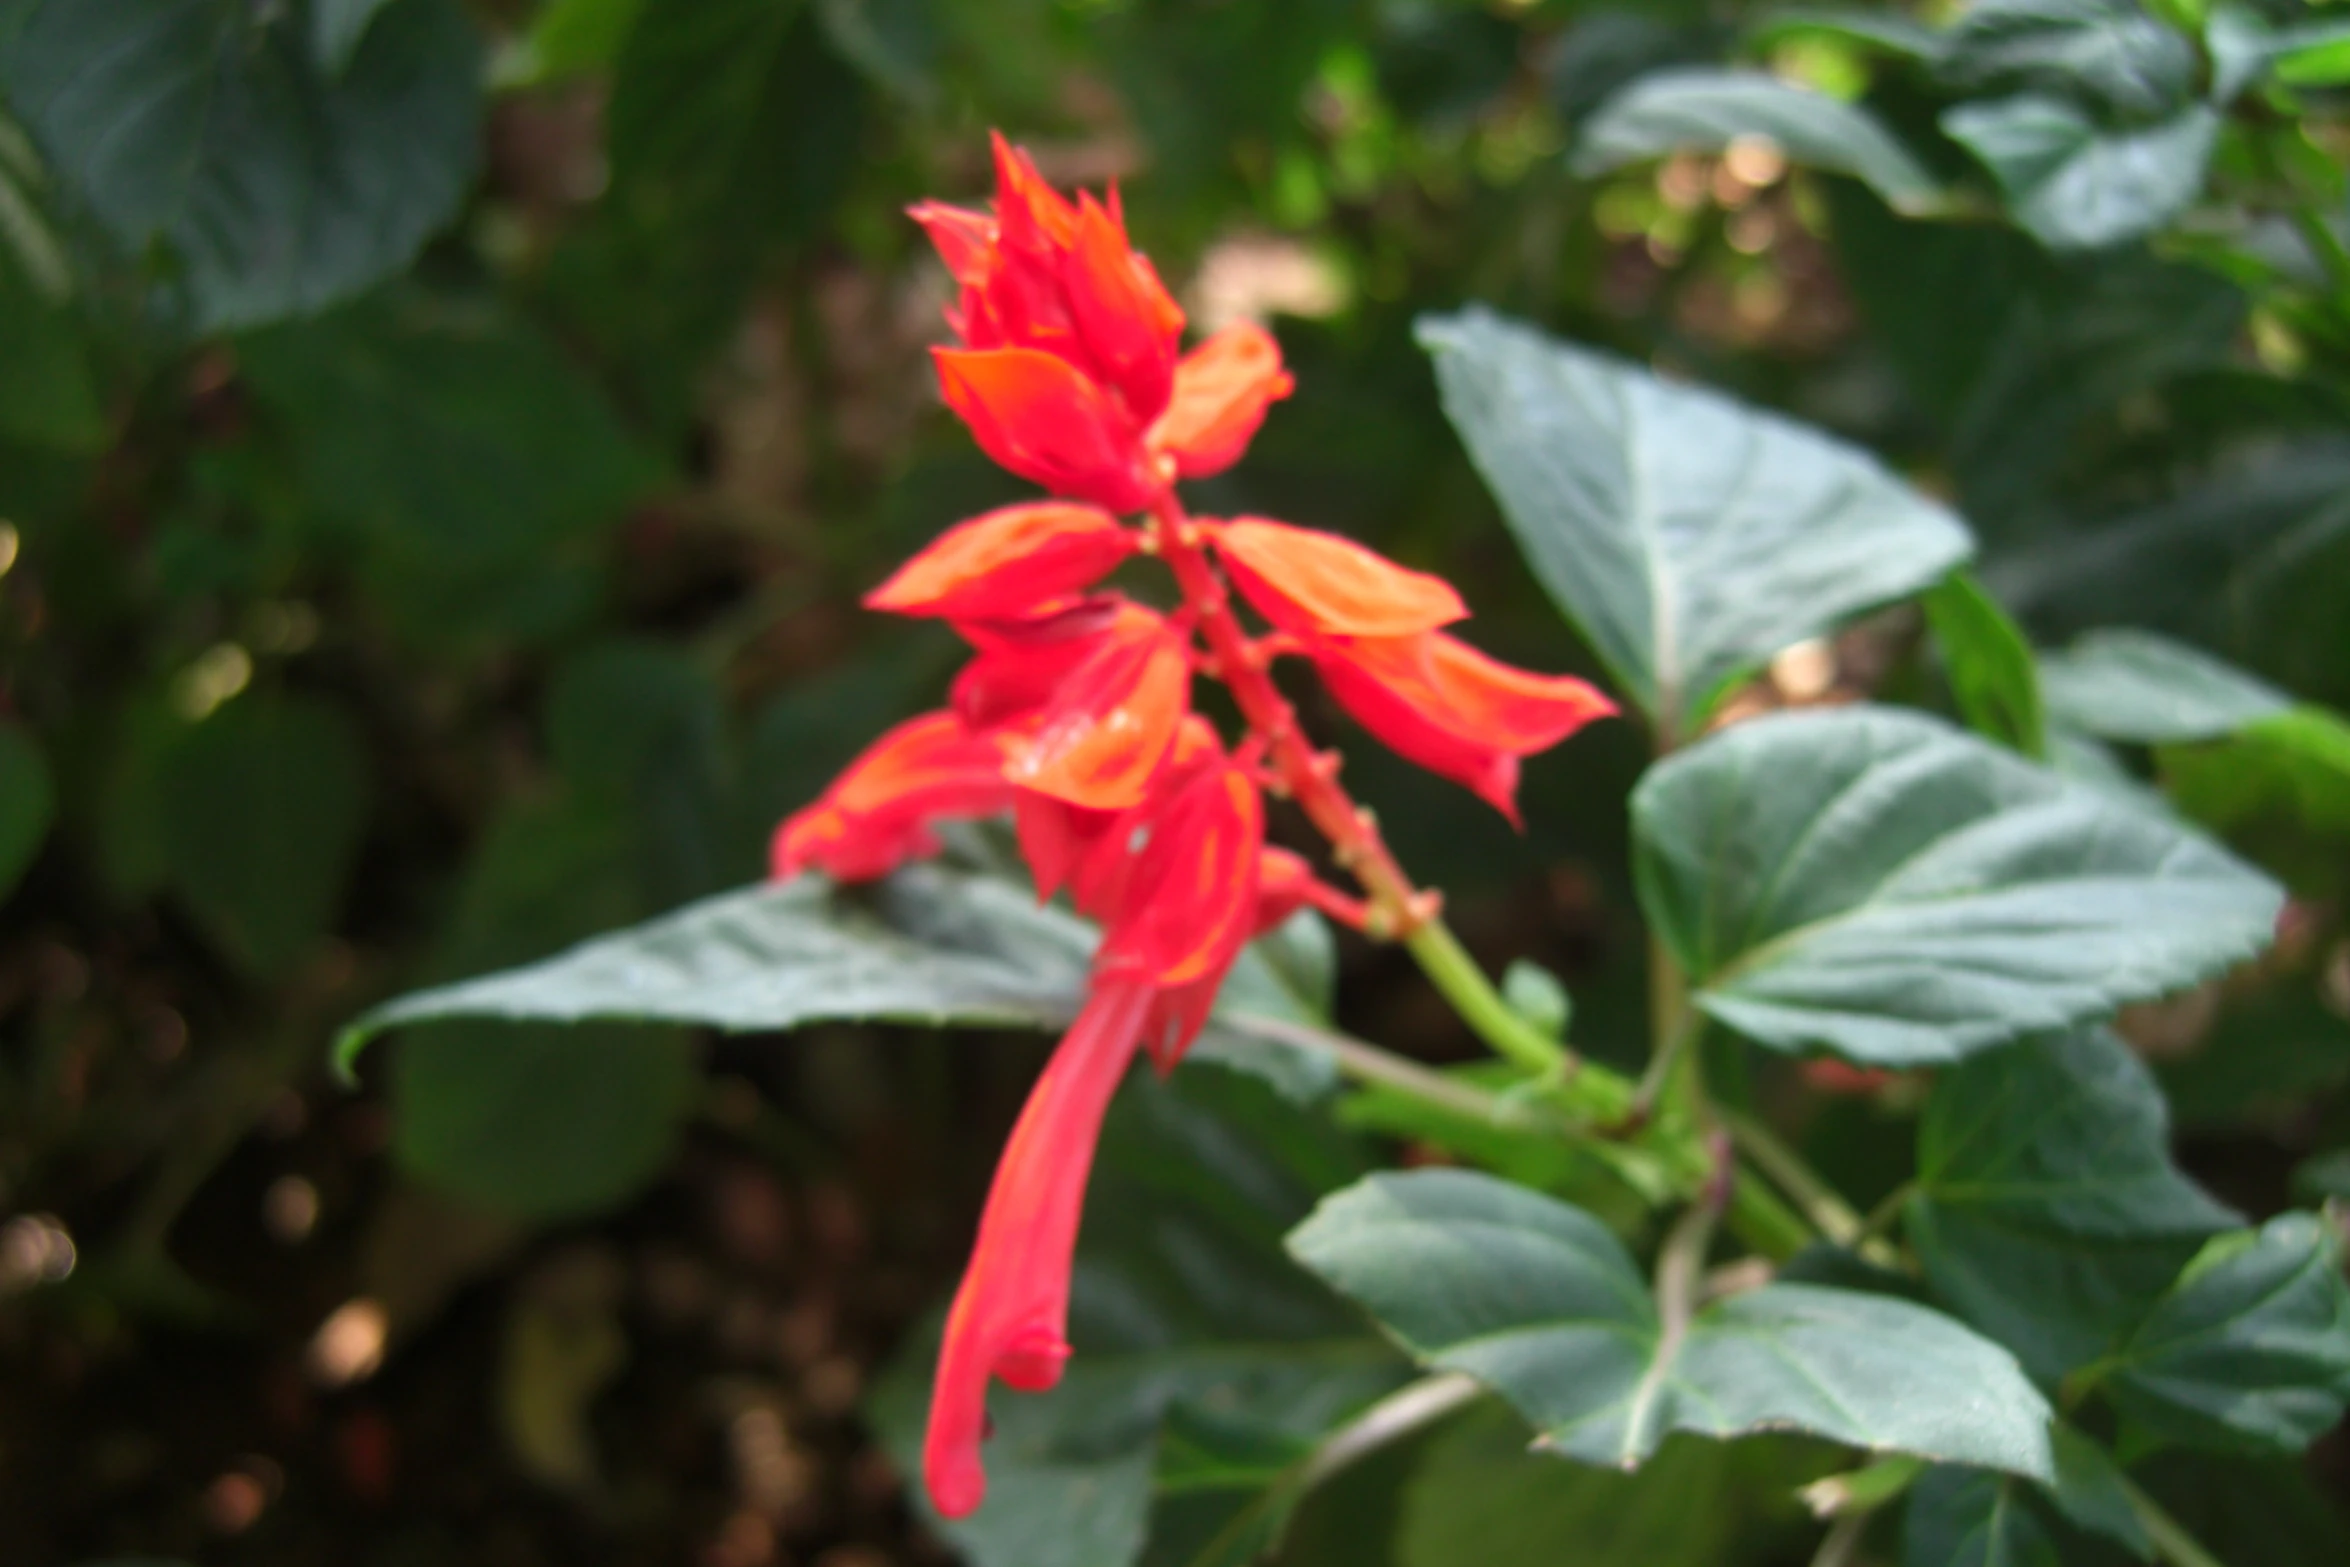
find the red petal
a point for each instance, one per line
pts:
(1100, 738)
(1040, 416)
(1222, 389)
(1192, 898)
(1022, 662)
(1308, 582)
(1441, 703)
(1011, 1314)
(1007, 562)
(1031, 214)
(1129, 323)
(965, 239)
(878, 812)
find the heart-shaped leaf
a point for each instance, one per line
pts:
(1689, 536)
(1875, 882)
(1539, 1301)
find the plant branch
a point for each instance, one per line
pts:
(2172, 1543)
(1842, 1543)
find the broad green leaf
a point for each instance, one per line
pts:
(537, 1122)
(209, 125)
(931, 945)
(2250, 1349)
(1989, 665)
(1688, 536)
(447, 429)
(2047, 1204)
(1874, 882)
(2315, 54)
(1189, 1325)
(336, 29)
(2110, 52)
(1706, 110)
(1973, 1518)
(2141, 687)
(1540, 1302)
(262, 808)
(2076, 185)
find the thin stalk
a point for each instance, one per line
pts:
(1462, 982)
(2172, 1542)
(1887, 1213)
(1842, 1543)
(1367, 1063)
(1828, 1212)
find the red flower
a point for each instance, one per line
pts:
(878, 812)
(1313, 583)
(1439, 702)
(1008, 562)
(1099, 738)
(1068, 372)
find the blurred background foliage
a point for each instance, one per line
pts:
(441, 445)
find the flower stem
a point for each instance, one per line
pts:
(1460, 981)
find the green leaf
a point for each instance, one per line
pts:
(1704, 111)
(209, 126)
(2047, 1205)
(2108, 52)
(2152, 690)
(1874, 882)
(537, 1122)
(1688, 536)
(2315, 54)
(2093, 1493)
(2250, 1349)
(1540, 1302)
(1186, 1318)
(28, 802)
(263, 804)
(1989, 664)
(931, 945)
(1892, 34)
(336, 28)
(447, 428)
(1479, 1496)
(2077, 186)
(2281, 784)
(1973, 1518)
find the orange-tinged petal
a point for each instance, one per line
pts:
(1192, 900)
(1222, 389)
(1021, 663)
(1100, 739)
(1010, 1318)
(1128, 320)
(1309, 582)
(1010, 561)
(1439, 702)
(1041, 417)
(879, 811)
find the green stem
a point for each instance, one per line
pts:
(1367, 1063)
(1828, 1212)
(1456, 975)
(1842, 1544)
(2172, 1542)
(1761, 1218)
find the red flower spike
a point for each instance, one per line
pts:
(1012, 561)
(1128, 321)
(1191, 898)
(1046, 420)
(1439, 702)
(1010, 1316)
(879, 811)
(1308, 582)
(1222, 389)
(1031, 215)
(1100, 738)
